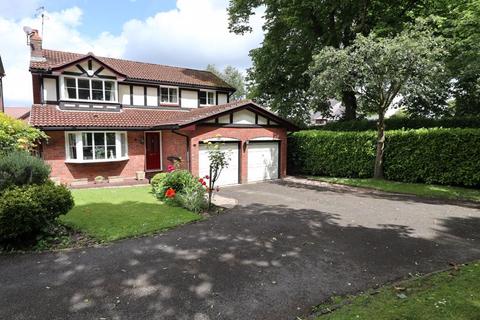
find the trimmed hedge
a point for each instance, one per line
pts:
(441, 156)
(328, 153)
(401, 123)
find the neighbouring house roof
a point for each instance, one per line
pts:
(49, 117)
(21, 113)
(133, 70)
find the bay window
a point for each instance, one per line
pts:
(207, 98)
(75, 88)
(169, 95)
(96, 146)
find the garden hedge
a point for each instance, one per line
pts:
(441, 156)
(402, 123)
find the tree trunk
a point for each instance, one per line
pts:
(350, 102)
(378, 171)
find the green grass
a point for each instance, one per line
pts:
(452, 295)
(113, 213)
(421, 190)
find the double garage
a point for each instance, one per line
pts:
(262, 159)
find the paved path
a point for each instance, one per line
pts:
(284, 248)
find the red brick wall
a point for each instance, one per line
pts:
(54, 155)
(243, 134)
(174, 145)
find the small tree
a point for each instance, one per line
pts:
(219, 159)
(18, 135)
(383, 72)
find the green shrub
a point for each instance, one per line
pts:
(16, 134)
(397, 123)
(19, 168)
(193, 196)
(189, 192)
(176, 180)
(157, 179)
(441, 156)
(25, 211)
(326, 153)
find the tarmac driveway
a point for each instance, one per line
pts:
(284, 248)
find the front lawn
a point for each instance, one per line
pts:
(418, 189)
(452, 294)
(113, 213)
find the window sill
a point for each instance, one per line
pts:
(96, 161)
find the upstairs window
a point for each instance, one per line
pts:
(89, 89)
(96, 146)
(207, 98)
(168, 95)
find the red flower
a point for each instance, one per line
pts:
(170, 193)
(207, 177)
(204, 183)
(170, 168)
(201, 180)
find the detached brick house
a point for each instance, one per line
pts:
(117, 118)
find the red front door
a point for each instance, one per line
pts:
(152, 143)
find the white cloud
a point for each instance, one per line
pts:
(192, 35)
(61, 33)
(15, 9)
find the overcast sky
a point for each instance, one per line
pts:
(189, 33)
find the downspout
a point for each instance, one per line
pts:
(188, 148)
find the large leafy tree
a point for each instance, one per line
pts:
(295, 29)
(233, 77)
(381, 72)
(460, 22)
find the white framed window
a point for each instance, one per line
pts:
(96, 146)
(207, 97)
(88, 89)
(168, 95)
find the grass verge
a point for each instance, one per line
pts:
(418, 189)
(451, 294)
(114, 213)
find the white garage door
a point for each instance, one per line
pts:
(262, 161)
(229, 175)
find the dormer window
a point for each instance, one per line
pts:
(207, 98)
(87, 89)
(169, 95)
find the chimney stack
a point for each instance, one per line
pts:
(36, 46)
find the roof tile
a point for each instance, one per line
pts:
(135, 70)
(129, 117)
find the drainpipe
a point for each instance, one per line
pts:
(188, 147)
